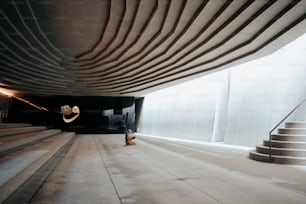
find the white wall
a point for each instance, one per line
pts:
(184, 111)
(239, 105)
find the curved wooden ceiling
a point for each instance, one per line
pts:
(132, 47)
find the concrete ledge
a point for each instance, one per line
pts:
(277, 159)
(281, 151)
(8, 146)
(17, 180)
(289, 137)
(300, 131)
(19, 130)
(286, 144)
(295, 125)
(14, 125)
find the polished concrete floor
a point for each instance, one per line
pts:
(101, 169)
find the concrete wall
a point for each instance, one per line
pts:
(238, 106)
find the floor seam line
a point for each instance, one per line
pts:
(107, 170)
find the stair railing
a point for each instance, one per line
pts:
(278, 124)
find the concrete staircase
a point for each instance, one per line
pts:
(288, 145)
(24, 151)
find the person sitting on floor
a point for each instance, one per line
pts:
(129, 137)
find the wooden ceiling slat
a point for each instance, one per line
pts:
(229, 20)
(155, 76)
(138, 76)
(18, 69)
(173, 41)
(30, 63)
(41, 32)
(18, 34)
(203, 29)
(270, 40)
(33, 81)
(131, 45)
(157, 72)
(114, 38)
(99, 41)
(100, 56)
(137, 46)
(48, 54)
(165, 38)
(146, 42)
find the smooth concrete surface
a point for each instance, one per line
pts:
(17, 167)
(19, 130)
(13, 141)
(9, 167)
(101, 169)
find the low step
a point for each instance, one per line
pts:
(19, 166)
(289, 137)
(286, 144)
(281, 151)
(19, 130)
(277, 159)
(298, 124)
(17, 142)
(299, 131)
(14, 125)
(11, 138)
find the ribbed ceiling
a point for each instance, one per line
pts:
(132, 47)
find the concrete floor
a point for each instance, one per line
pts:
(100, 169)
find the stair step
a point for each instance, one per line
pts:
(299, 131)
(14, 125)
(19, 130)
(286, 144)
(11, 138)
(289, 137)
(297, 124)
(19, 166)
(17, 142)
(281, 151)
(277, 159)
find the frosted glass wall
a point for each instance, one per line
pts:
(238, 105)
(184, 111)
